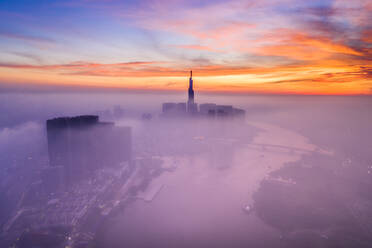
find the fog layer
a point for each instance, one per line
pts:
(296, 172)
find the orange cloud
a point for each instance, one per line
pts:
(300, 46)
(324, 44)
(197, 47)
(77, 67)
(320, 77)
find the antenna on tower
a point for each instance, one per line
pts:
(191, 74)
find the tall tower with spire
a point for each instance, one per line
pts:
(191, 90)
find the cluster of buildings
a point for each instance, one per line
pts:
(212, 110)
(92, 172)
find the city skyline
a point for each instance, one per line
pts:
(185, 123)
(269, 47)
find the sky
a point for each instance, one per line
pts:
(252, 46)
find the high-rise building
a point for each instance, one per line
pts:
(174, 109)
(206, 107)
(82, 144)
(169, 107)
(191, 90)
(192, 107)
(211, 110)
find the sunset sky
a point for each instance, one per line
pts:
(257, 46)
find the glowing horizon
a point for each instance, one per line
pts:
(267, 46)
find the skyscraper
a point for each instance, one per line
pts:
(192, 107)
(82, 144)
(191, 90)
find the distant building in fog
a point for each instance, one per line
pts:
(82, 144)
(169, 107)
(192, 108)
(214, 110)
(205, 107)
(211, 110)
(146, 116)
(172, 109)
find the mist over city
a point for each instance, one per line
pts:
(152, 123)
(290, 174)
